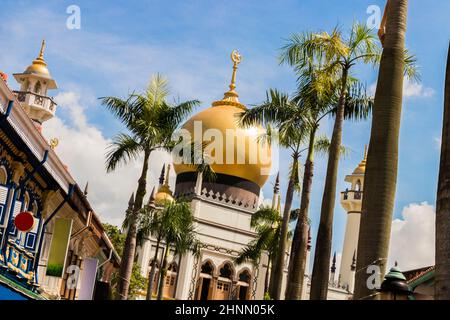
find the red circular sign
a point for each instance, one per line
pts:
(24, 221)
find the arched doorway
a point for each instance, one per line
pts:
(170, 280)
(224, 282)
(205, 281)
(243, 285)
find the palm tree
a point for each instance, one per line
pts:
(340, 56)
(148, 224)
(267, 224)
(277, 110)
(317, 95)
(442, 285)
(177, 223)
(151, 121)
(382, 158)
(315, 99)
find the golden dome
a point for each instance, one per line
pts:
(164, 193)
(361, 168)
(251, 160)
(39, 66)
(163, 196)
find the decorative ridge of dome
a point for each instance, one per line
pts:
(228, 103)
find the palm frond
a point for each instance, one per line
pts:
(322, 146)
(120, 108)
(411, 71)
(122, 149)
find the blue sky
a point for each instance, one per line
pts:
(120, 44)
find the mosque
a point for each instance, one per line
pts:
(223, 209)
(36, 184)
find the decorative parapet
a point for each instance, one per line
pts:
(218, 198)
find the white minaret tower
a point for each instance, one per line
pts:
(351, 201)
(34, 83)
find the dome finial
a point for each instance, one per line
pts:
(231, 94)
(365, 152)
(236, 58)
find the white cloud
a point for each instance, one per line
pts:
(412, 237)
(82, 148)
(410, 90)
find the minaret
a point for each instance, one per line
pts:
(34, 83)
(333, 270)
(276, 191)
(151, 199)
(351, 201)
(162, 175)
(164, 193)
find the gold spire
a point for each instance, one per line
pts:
(361, 168)
(39, 66)
(41, 52)
(231, 96)
(40, 59)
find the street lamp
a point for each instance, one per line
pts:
(394, 286)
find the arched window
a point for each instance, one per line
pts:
(3, 175)
(26, 201)
(358, 185)
(26, 86)
(37, 87)
(173, 267)
(244, 276)
(226, 271)
(156, 264)
(207, 268)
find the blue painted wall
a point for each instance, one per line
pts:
(9, 294)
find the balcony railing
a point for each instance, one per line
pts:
(36, 100)
(352, 195)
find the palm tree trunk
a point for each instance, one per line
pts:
(162, 275)
(442, 286)
(299, 248)
(284, 230)
(180, 256)
(126, 267)
(153, 270)
(266, 279)
(319, 281)
(273, 279)
(382, 159)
